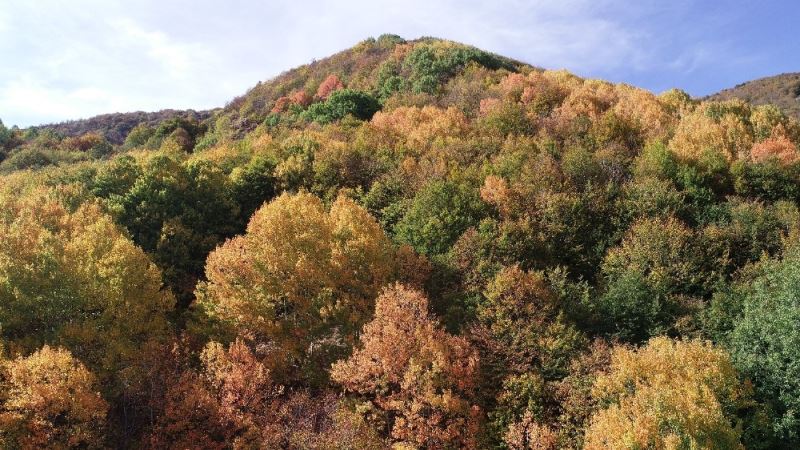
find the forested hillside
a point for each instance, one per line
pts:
(781, 90)
(115, 127)
(410, 244)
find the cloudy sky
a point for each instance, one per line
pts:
(73, 59)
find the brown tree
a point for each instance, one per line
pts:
(328, 86)
(419, 375)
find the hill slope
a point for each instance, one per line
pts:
(116, 126)
(781, 90)
(382, 66)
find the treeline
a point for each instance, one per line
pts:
(432, 247)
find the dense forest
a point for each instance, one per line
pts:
(411, 245)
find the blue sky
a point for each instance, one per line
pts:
(73, 59)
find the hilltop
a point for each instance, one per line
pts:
(382, 66)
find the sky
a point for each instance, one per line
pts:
(74, 59)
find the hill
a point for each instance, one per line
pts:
(116, 126)
(782, 91)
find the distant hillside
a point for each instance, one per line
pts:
(116, 126)
(781, 90)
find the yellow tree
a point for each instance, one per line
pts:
(719, 128)
(51, 400)
(418, 129)
(668, 395)
(75, 279)
(302, 279)
(411, 369)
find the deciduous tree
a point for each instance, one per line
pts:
(302, 279)
(51, 400)
(412, 370)
(668, 394)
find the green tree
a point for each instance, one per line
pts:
(177, 212)
(440, 212)
(648, 278)
(341, 103)
(765, 340)
(252, 185)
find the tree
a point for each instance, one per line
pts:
(648, 277)
(253, 185)
(524, 314)
(529, 435)
(50, 400)
(543, 226)
(329, 85)
(438, 215)
(719, 128)
(765, 341)
(229, 400)
(302, 279)
(75, 279)
(779, 148)
(139, 135)
(430, 64)
(341, 103)
(412, 370)
(525, 341)
(177, 212)
(419, 129)
(668, 394)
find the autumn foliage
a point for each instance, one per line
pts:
(328, 86)
(409, 244)
(666, 395)
(410, 368)
(301, 277)
(51, 400)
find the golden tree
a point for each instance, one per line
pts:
(51, 400)
(302, 278)
(668, 395)
(704, 130)
(75, 278)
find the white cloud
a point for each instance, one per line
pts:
(179, 60)
(32, 100)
